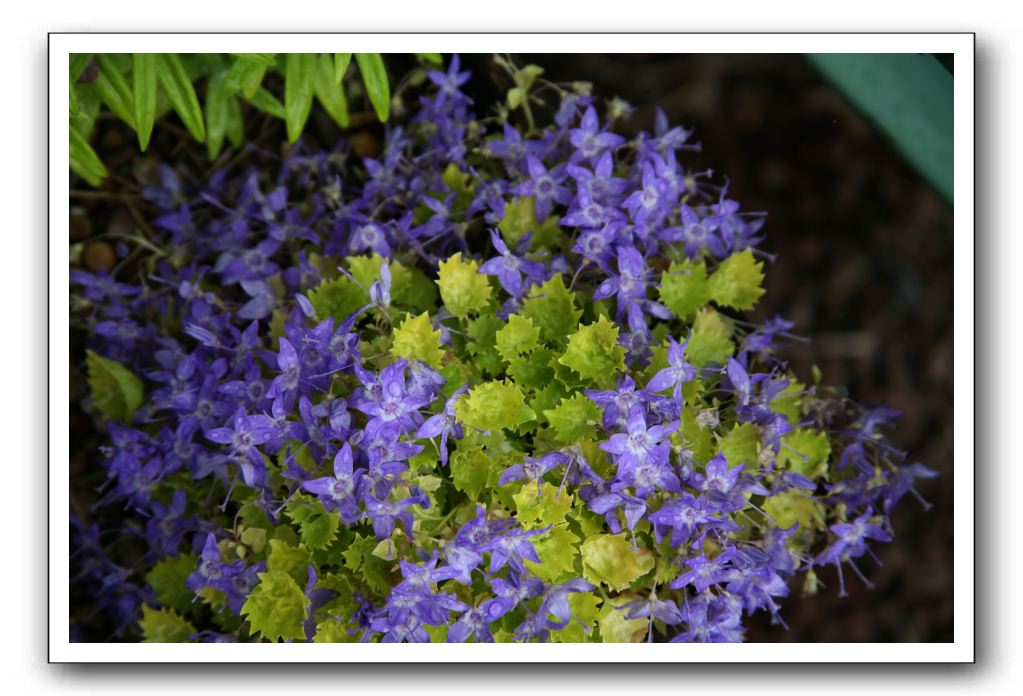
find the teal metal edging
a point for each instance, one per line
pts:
(909, 97)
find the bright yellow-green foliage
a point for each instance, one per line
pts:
(317, 527)
(463, 290)
(550, 507)
(520, 217)
(416, 339)
(293, 560)
(593, 352)
(741, 444)
(573, 418)
(558, 550)
(584, 608)
(615, 628)
(684, 288)
(609, 559)
(116, 392)
(737, 281)
(164, 626)
(552, 307)
(493, 405)
(805, 451)
(711, 339)
(167, 578)
(277, 607)
(471, 470)
(518, 337)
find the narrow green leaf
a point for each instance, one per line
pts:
(235, 125)
(216, 113)
(374, 75)
(266, 102)
(84, 161)
(299, 73)
(76, 64)
(341, 61)
(175, 83)
(266, 59)
(144, 79)
(114, 89)
(330, 93)
(246, 75)
(434, 58)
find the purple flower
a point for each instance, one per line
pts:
(676, 374)
(589, 141)
(510, 268)
(338, 492)
(545, 187)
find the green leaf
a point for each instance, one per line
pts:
(516, 96)
(789, 402)
(737, 281)
(584, 618)
(167, 578)
(164, 626)
(116, 392)
(244, 75)
(293, 560)
(84, 161)
(175, 83)
(143, 75)
(518, 337)
(793, 505)
(609, 559)
(434, 58)
(574, 418)
(371, 570)
(483, 346)
(374, 75)
(532, 371)
(470, 470)
(615, 628)
(463, 289)
(76, 64)
(494, 405)
(558, 551)
(299, 74)
(317, 527)
(114, 89)
(217, 113)
(416, 339)
(520, 217)
(552, 308)
(267, 59)
(277, 607)
(330, 92)
(409, 286)
(338, 298)
(684, 289)
(235, 127)
(266, 102)
(550, 507)
(741, 445)
(710, 340)
(341, 61)
(805, 451)
(593, 352)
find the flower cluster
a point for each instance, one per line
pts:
(485, 386)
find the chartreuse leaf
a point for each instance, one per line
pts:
(416, 339)
(299, 73)
(483, 347)
(317, 527)
(789, 402)
(615, 628)
(463, 289)
(116, 392)
(338, 298)
(533, 370)
(684, 288)
(791, 506)
(276, 607)
(164, 626)
(245, 75)
(741, 445)
(584, 618)
(518, 337)
(710, 340)
(329, 91)
(266, 59)
(552, 308)
(114, 89)
(434, 58)
(558, 551)
(266, 102)
(143, 75)
(593, 352)
(609, 559)
(374, 76)
(371, 570)
(293, 560)
(409, 286)
(573, 418)
(333, 630)
(494, 405)
(470, 470)
(341, 61)
(167, 578)
(177, 85)
(520, 217)
(805, 451)
(737, 281)
(84, 161)
(549, 507)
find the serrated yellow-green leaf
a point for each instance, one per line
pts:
(520, 217)
(711, 339)
(167, 578)
(557, 549)
(699, 441)
(463, 290)
(277, 607)
(254, 538)
(164, 626)
(585, 612)
(609, 559)
(116, 392)
(737, 281)
(615, 628)
(317, 527)
(470, 470)
(532, 371)
(593, 352)
(550, 507)
(338, 298)
(789, 402)
(293, 560)
(409, 286)
(493, 405)
(805, 451)
(370, 569)
(741, 445)
(332, 630)
(793, 506)
(684, 288)
(519, 336)
(573, 418)
(552, 307)
(416, 339)
(483, 346)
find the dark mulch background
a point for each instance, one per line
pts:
(864, 267)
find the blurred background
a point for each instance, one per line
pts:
(864, 268)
